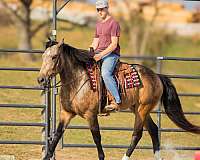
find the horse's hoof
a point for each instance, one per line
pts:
(48, 157)
(125, 157)
(101, 158)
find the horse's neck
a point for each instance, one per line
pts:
(73, 76)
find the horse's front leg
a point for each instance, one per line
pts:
(94, 128)
(65, 118)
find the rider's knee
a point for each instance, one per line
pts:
(106, 74)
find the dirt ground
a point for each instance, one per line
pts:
(116, 154)
(91, 154)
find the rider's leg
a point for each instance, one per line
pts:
(108, 66)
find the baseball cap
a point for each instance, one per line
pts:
(101, 3)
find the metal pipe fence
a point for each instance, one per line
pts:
(44, 107)
(50, 108)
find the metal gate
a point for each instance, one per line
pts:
(45, 107)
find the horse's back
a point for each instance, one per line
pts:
(151, 90)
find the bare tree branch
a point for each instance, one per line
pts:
(12, 11)
(26, 2)
(38, 27)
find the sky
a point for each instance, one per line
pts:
(187, 3)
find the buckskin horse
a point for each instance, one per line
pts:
(77, 98)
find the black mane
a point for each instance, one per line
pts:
(80, 55)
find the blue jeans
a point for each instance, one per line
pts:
(108, 65)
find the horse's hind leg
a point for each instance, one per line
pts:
(140, 116)
(64, 121)
(153, 131)
(94, 128)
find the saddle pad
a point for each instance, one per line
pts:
(131, 78)
(92, 76)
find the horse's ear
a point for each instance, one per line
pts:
(61, 42)
(49, 38)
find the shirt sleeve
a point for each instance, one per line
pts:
(96, 33)
(115, 29)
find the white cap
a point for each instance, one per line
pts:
(101, 3)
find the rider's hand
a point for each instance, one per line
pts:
(91, 52)
(97, 57)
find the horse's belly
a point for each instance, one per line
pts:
(129, 99)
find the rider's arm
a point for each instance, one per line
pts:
(95, 43)
(111, 47)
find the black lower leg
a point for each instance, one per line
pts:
(135, 139)
(153, 131)
(56, 138)
(97, 139)
(137, 134)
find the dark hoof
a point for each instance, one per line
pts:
(48, 156)
(102, 158)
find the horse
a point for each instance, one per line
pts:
(77, 98)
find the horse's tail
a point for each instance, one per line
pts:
(173, 106)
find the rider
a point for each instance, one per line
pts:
(107, 49)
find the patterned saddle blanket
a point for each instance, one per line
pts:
(126, 75)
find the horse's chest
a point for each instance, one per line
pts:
(82, 89)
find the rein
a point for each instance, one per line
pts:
(57, 85)
(65, 84)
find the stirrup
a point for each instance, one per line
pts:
(103, 113)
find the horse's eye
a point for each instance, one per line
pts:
(54, 57)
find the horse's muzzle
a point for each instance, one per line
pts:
(42, 81)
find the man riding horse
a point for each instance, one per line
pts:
(107, 49)
(78, 99)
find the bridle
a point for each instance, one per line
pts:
(59, 84)
(49, 86)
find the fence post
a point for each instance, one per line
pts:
(159, 70)
(54, 24)
(47, 114)
(54, 89)
(53, 105)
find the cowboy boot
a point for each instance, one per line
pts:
(113, 106)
